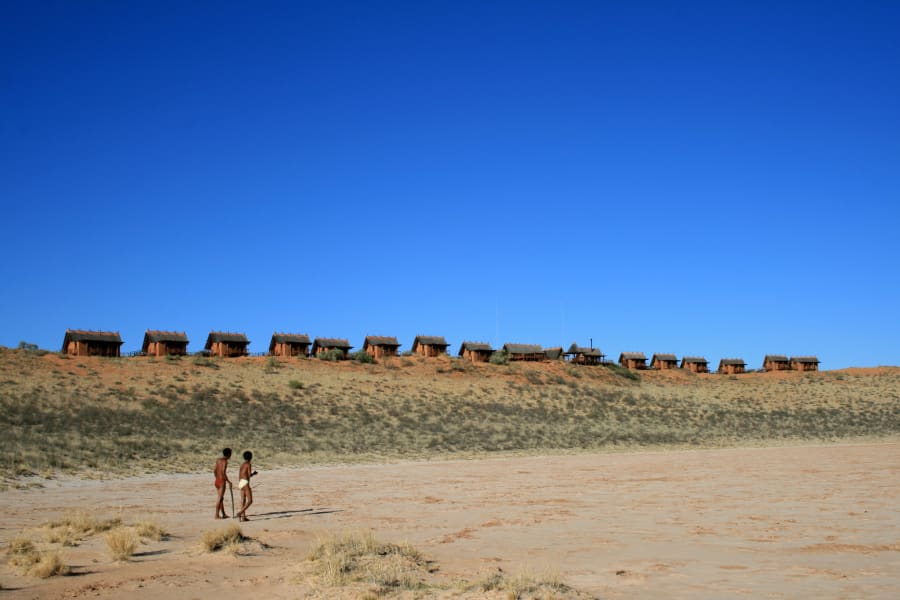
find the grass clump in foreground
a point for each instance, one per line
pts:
(357, 562)
(357, 557)
(75, 526)
(121, 543)
(231, 540)
(24, 555)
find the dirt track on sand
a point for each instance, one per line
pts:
(819, 521)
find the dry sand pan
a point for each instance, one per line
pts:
(794, 522)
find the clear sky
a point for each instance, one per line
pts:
(702, 178)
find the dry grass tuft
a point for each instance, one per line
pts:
(150, 530)
(121, 542)
(231, 540)
(23, 554)
(359, 557)
(49, 564)
(527, 585)
(75, 526)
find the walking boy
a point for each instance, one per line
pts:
(221, 479)
(245, 474)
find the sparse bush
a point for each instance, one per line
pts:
(623, 372)
(121, 542)
(295, 384)
(363, 357)
(49, 564)
(334, 354)
(500, 357)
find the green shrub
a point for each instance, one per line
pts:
(363, 357)
(332, 355)
(500, 357)
(295, 384)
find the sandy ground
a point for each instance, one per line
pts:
(796, 522)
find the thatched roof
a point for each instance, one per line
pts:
(216, 337)
(584, 350)
(474, 347)
(732, 361)
(805, 359)
(331, 343)
(775, 358)
(381, 340)
(152, 336)
(690, 360)
(632, 356)
(430, 340)
(86, 335)
(290, 338)
(664, 358)
(553, 353)
(523, 349)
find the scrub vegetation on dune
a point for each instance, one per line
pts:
(98, 416)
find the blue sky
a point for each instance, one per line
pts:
(704, 178)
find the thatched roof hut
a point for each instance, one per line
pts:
(164, 343)
(732, 366)
(323, 344)
(633, 360)
(776, 362)
(475, 351)
(664, 361)
(429, 345)
(227, 344)
(584, 355)
(84, 342)
(524, 352)
(804, 363)
(696, 364)
(380, 346)
(556, 353)
(289, 344)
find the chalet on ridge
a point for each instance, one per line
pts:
(776, 362)
(524, 352)
(581, 355)
(556, 353)
(633, 360)
(695, 364)
(475, 351)
(804, 363)
(321, 345)
(289, 344)
(731, 366)
(164, 343)
(81, 342)
(227, 344)
(664, 361)
(429, 345)
(380, 346)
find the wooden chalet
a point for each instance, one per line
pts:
(289, 344)
(164, 343)
(633, 360)
(776, 362)
(321, 345)
(475, 351)
(380, 346)
(804, 363)
(81, 342)
(429, 345)
(227, 344)
(695, 364)
(732, 366)
(664, 361)
(524, 352)
(581, 355)
(556, 353)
